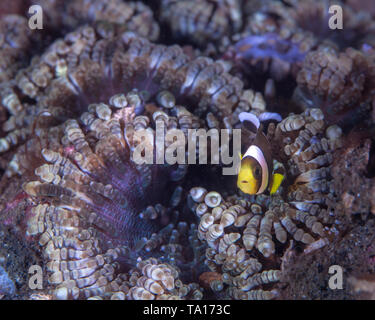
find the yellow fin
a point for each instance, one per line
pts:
(277, 179)
(240, 155)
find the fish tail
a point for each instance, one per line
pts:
(277, 177)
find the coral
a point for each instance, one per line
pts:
(15, 43)
(268, 44)
(18, 41)
(342, 85)
(127, 16)
(312, 17)
(202, 21)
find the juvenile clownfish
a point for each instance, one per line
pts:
(257, 171)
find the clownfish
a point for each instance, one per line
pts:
(258, 171)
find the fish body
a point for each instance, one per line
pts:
(257, 172)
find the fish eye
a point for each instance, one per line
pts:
(257, 172)
(244, 181)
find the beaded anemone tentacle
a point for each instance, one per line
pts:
(313, 17)
(275, 39)
(82, 175)
(239, 227)
(18, 41)
(224, 227)
(88, 67)
(63, 16)
(202, 21)
(89, 194)
(341, 84)
(15, 42)
(151, 280)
